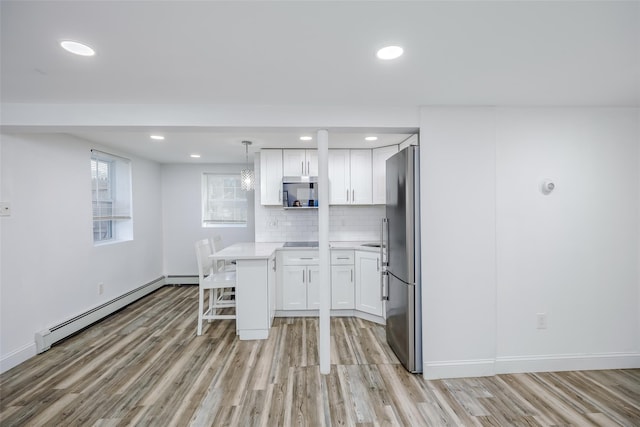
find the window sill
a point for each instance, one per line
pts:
(111, 242)
(224, 225)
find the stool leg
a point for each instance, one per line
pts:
(200, 308)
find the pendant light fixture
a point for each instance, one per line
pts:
(247, 176)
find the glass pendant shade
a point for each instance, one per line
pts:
(248, 179)
(247, 176)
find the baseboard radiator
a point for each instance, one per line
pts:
(46, 338)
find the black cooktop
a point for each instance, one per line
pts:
(300, 245)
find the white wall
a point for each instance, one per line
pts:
(457, 175)
(497, 251)
(50, 268)
(182, 216)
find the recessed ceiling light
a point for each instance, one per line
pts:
(77, 48)
(371, 138)
(305, 138)
(390, 52)
(195, 156)
(157, 137)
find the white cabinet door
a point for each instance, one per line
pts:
(300, 162)
(339, 177)
(360, 167)
(368, 283)
(271, 177)
(379, 158)
(312, 162)
(342, 287)
(293, 162)
(313, 287)
(294, 287)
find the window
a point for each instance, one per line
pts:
(224, 203)
(111, 197)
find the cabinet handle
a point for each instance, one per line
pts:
(302, 276)
(274, 264)
(302, 167)
(377, 264)
(353, 196)
(306, 258)
(308, 168)
(343, 257)
(347, 194)
(351, 271)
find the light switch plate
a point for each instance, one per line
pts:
(5, 209)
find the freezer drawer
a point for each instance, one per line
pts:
(403, 328)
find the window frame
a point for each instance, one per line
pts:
(238, 203)
(118, 220)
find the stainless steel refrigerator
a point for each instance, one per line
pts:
(400, 252)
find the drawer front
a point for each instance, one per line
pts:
(342, 257)
(300, 258)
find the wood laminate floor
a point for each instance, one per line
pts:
(145, 366)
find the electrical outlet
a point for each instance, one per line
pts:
(100, 288)
(541, 320)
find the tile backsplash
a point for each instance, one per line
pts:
(346, 223)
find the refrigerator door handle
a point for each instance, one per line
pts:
(384, 261)
(384, 285)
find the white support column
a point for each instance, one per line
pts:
(324, 345)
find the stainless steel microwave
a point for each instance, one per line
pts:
(300, 192)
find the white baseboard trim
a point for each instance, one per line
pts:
(17, 356)
(333, 313)
(520, 364)
(181, 280)
(567, 362)
(458, 369)
(370, 317)
(253, 334)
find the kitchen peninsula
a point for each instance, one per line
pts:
(255, 286)
(264, 288)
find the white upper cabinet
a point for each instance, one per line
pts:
(300, 162)
(350, 177)
(361, 177)
(271, 177)
(339, 177)
(379, 171)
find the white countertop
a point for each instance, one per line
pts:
(355, 246)
(264, 250)
(247, 251)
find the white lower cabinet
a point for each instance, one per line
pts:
(367, 284)
(342, 280)
(313, 287)
(300, 280)
(342, 286)
(355, 281)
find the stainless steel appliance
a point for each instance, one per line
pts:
(400, 254)
(300, 192)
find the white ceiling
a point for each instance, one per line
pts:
(317, 53)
